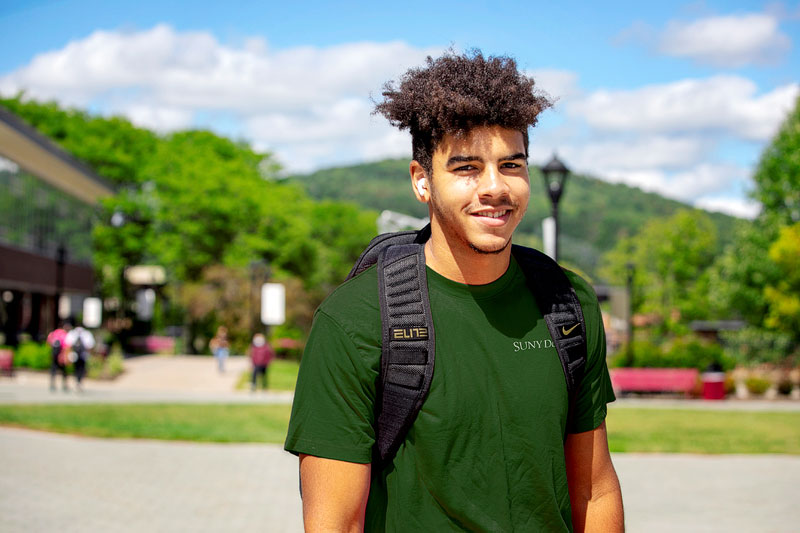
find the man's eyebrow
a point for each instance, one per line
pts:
(514, 157)
(464, 159)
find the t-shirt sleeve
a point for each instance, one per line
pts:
(332, 413)
(595, 390)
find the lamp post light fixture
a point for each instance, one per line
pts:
(555, 174)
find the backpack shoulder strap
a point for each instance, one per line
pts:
(407, 353)
(561, 309)
(370, 254)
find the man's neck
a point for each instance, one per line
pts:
(458, 262)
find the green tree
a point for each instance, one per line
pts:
(670, 257)
(204, 207)
(777, 178)
(741, 275)
(784, 296)
(112, 147)
(738, 277)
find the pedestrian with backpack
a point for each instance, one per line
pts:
(58, 345)
(80, 342)
(457, 382)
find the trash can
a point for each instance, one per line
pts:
(713, 385)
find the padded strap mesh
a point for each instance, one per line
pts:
(370, 255)
(408, 343)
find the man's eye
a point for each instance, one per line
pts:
(511, 165)
(464, 168)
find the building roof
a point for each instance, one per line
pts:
(40, 156)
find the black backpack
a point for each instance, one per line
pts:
(79, 348)
(408, 339)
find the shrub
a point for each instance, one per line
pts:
(730, 385)
(33, 355)
(686, 352)
(645, 354)
(695, 353)
(105, 368)
(753, 346)
(757, 385)
(785, 386)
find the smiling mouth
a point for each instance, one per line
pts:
(492, 214)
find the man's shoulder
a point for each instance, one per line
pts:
(356, 295)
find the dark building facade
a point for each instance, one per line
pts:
(48, 203)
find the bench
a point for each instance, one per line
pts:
(654, 379)
(152, 344)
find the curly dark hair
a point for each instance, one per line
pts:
(454, 94)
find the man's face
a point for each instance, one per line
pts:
(479, 190)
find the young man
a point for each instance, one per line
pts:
(491, 448)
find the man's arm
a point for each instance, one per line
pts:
(594, 490)
(334, 494)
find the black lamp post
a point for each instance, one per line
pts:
(555, 178)
(61, 262)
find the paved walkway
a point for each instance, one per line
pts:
(76, 484)
(147, 379)
(52, 482)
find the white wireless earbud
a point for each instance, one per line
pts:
(421, 186)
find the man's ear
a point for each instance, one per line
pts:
(419, 182)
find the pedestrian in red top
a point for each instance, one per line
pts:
(261, 354)
(57, 340)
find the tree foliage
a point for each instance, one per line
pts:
(754, 278)
(669, 257)
(783, 296)
(777, 178)
(205, 208)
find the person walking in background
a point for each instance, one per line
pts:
(57, 340)
(220, 347)
(261, 354)
(80, 342)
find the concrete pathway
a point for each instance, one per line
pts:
(74, 484)
(147, 379)
(51, 482)
(62, 483)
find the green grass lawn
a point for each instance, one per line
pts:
(281, 375)
(203, 423)
(630, 430)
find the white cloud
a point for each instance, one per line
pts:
(737, 207)
(633, 154)
(561, 85)
(702, 185)
(727, 104)
(726, 41)
(283, 100)
(194, 70)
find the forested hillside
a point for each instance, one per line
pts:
(594, 214)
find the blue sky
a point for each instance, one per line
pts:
(679, 98)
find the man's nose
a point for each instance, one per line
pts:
(493, 182)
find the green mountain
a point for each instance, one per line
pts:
(593, 214)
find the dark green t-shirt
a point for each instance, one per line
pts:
(486, 451)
